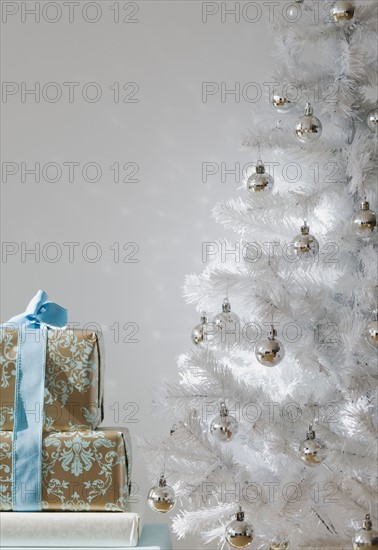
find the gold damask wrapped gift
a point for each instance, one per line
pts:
(81, 471)
(73, 380)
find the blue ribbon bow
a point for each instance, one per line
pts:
(29, 399)
(42, 312)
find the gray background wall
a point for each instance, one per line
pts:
(168, 133)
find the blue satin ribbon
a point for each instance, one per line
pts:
(29, 399)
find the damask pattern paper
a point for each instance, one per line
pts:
(81, 471)
(73, 380)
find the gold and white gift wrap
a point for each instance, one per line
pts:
(82, 471)
(73, 397)
(86, 530)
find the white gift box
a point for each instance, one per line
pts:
(69, 530)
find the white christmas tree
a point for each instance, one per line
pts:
(315, 374)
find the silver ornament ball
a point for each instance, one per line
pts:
(226, 317)
(260, 180)
(269, 351)
(282, 104)
(198, 335)
(372, 120)
(342, 11)
(364, 221)
(161, 498)
(305, 245)
(366, 538)
(312, 451)
(226, 325)
(371, 333)
(199, 331)
(308, 127)
(224, 427)
(239, 532)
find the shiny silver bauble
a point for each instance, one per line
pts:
(226, 320)
(282, 104)
(305, 245)
(239, 532)
(342, 11)
(198, 336)
(260, 180)
(199, 331)
(269, 351)
(161, 498)
(364, 221)
(308, 127)
(366, 538)
(372, 120)
(371, 334)
(312, 451)
(224, 427)
(225, 326)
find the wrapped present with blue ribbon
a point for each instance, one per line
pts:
(55, 372)
(78, 471)
(51, 380)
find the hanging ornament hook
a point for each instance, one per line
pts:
(309, 109)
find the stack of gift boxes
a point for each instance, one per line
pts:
(83, 468)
